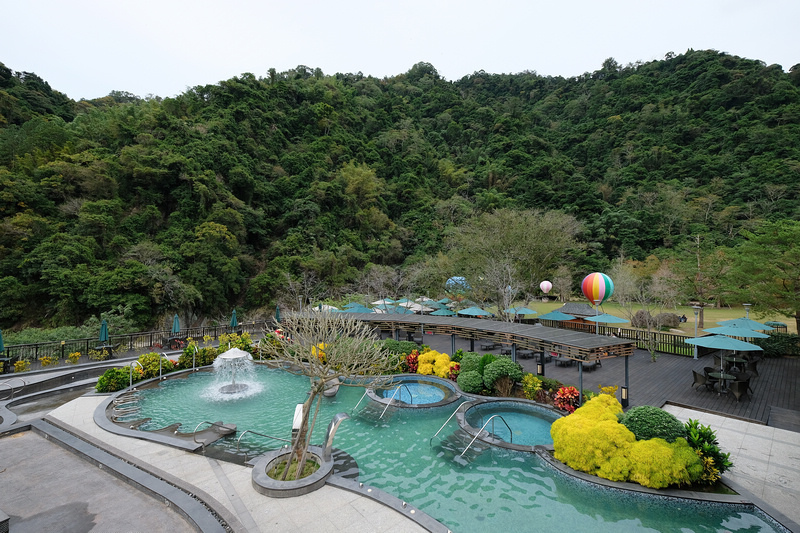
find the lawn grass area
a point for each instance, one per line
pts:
(711, 315)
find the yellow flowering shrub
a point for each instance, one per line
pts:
(592, 440)
(425, 369)
(427, 357)
(656, 463)
(441, 365)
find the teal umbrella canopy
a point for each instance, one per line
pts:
(722, 342)
(606, 319)
(358, 309)
(556, 315)
(104, 332)
(474, 311)
(745, 323)
(234, 322)
(738, 332)
(444, 301)
(520, 311)
(278, 314)
(400, 310)
(353, 304)
(2, 346)
(443, 312)
(176, 325)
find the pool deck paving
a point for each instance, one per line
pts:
(766, 467)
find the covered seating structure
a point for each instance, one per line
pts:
(584, 348)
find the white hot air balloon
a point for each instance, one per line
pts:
(545, 286)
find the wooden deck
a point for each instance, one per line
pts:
(669, 379)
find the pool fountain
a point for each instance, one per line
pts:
(227, 365)
(499, 488)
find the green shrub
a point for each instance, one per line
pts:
(456, 358)
(648, 422)
(485, 360)
(470, 361)
(780, 344)
(498, 369)
(704, 441)
(531, 386)
(150, 362)
(470, 382)
(399, 347)
(204, 357)
(115, 379)
(550, 384)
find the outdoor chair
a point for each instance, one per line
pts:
(752, 367)
(699, 379)
(589, 365)
(743, 377)
(739, 388)
(711, 383)
(720, 363)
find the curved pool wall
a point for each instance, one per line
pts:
(498, 488)
(515, 424)
(415, 391)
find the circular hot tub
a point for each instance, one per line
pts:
(515, 424)
(415, 391)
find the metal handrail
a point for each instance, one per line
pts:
(12, 388)
(194, 433)
(430, 441)
(257, 433)
(130, 371)
(407, 389)
(484, 427)
(390, 402)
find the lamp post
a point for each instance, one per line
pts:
(696, 312)
(746, 310)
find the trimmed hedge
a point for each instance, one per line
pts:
(648, 422)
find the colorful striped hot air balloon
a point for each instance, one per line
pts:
(545, 286)
(597, 287)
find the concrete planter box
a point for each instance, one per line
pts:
(287, 489)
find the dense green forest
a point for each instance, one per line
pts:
(299, 185)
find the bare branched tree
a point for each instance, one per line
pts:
(326, 347)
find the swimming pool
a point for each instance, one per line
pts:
(415, 391)
(510, 423)
(496, 488)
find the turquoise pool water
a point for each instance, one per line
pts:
(513, 422)
(496, 489)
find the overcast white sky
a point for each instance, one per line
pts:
(87, 48)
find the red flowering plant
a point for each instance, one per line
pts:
(567, 399)
(412, 361)
(455, 369)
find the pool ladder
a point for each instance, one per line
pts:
(491, 419)
(120, 410)
(6, 383)
(411, 396)
(246, 431)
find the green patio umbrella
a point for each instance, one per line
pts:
(745, 323)
(557, 316)
(353, 304)
(474, 311)
(234, 322)
(444, 300)
(104, 332)
(519, 311)
(2, 346)
(277, 314)
(722, 342)
(176, 325)
(605, 319)
(443, 312)
(745, 333)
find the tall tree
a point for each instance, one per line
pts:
(766, 268)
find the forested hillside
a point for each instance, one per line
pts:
(293, 184)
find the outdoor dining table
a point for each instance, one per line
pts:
(736, 361)
(723, 380)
